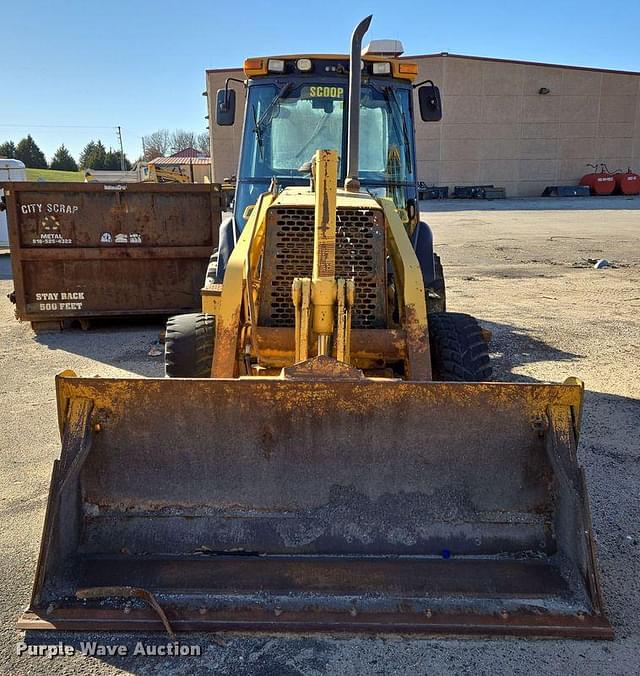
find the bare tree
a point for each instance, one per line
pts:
(202, 143)
(157, 144)
(181, 140)
(163, 142)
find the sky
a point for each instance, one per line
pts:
(73, 70)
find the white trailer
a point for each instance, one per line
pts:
(10, 170)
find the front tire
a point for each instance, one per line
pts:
(459, 351)
(188, 346)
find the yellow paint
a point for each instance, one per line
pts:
(323, 278)
(411, 294)
(210, 302)
(346, 299)
(321, 289)
(301, 296)
(229, 313)
(324, 242)
(165, 174)
(116, 395)
(322, 92)
(577, 408)
(305, 197)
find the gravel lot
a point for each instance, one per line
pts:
(523, 268)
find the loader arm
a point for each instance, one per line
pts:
(231, 309)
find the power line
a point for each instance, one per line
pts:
(60, 126)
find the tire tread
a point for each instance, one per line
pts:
(188, 347)
(458, 349)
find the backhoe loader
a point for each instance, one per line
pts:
(326, 453)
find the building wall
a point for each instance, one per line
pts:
(497, 128)
(224, 141)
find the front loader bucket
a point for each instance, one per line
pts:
(274, 504)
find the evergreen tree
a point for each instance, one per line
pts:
(62, 160)
(27, 151)
(112, 161)
(86, 153)
(8, 150)
(93, 156)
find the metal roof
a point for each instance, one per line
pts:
(181, 160)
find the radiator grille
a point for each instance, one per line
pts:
(360, 255)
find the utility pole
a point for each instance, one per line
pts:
(121, 148)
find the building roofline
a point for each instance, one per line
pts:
(492, 59)
(520, 62)
(224, 70)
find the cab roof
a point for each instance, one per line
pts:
(400, 68)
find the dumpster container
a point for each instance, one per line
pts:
(83, 250)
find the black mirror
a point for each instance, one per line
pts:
(430, 103)
(225, 107)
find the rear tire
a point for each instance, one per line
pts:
(437, 287)
(188, 346)
(459, 351)
(212, 268)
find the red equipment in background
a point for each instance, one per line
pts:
(601, 182)
(627, 182)
(605, 182)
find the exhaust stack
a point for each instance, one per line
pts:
(351, 183)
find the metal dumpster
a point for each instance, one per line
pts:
(83, 250)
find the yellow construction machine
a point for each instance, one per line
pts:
(167, 174)
(326, 453)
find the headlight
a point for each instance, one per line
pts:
(276, 65)
(381, 68)
(303, 65)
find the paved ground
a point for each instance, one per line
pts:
(524, 268)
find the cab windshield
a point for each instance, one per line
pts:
(287, 123)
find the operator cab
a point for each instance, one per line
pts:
(297, 104)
